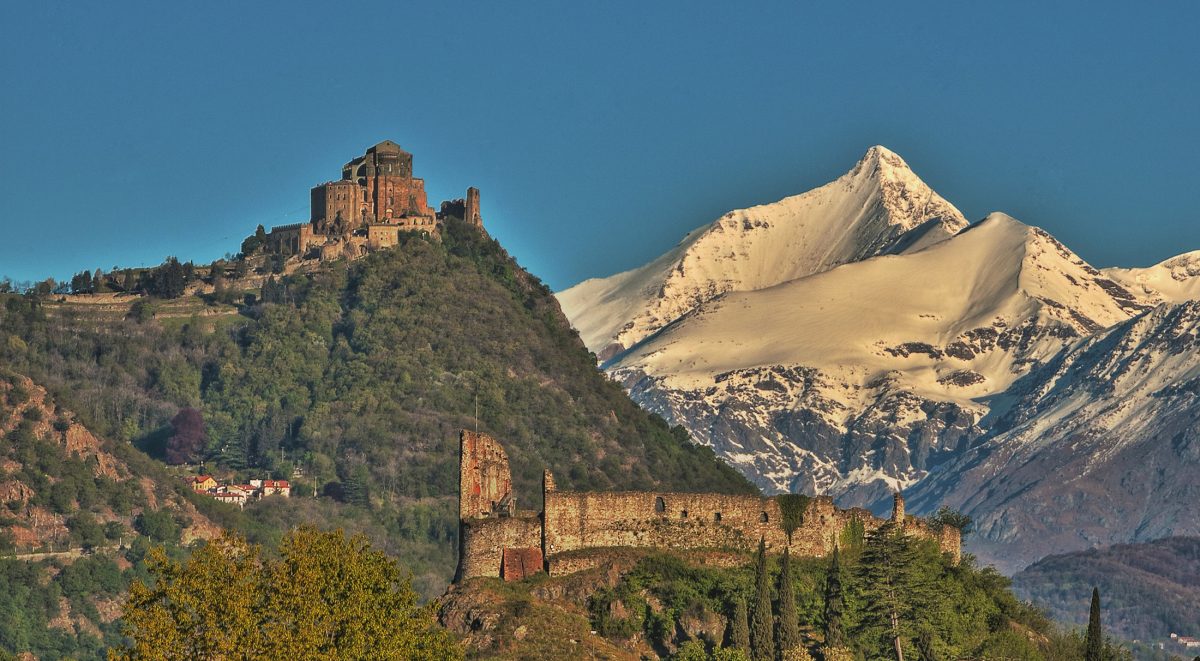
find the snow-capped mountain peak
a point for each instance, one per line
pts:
(1173, 280)
(879, 206)
(862, 335)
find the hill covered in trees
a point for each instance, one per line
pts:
(1150, 590)
(77, 517)
(360, 375)
(875, 595)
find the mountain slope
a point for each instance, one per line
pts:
(64, 490)
(878, 206)
(1099, 445)
(1149, 590)
(844, 381)
(1173, 280)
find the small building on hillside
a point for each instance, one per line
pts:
(203, 483)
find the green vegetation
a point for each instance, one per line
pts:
(842, 607)
(1150, 589)
(326, 596)
(792, 507)
(361, 375)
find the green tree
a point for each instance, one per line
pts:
(835, 603)
(897, 586)
(1094, 645)
(788, 636)
(762, 642)
(255, 241)
(953, 518)
(326, 597)
(739, 636)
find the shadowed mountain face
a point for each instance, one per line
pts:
(848, 363)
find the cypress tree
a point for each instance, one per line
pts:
(835, 604)
(1094, 644)
(739, 637)
(762, 643)
(789, 619)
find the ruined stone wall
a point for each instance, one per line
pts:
(578, 520)
(580, 530)
(569, 563)
(484, 480)
(292, 239)
(582, 520)
(482, 542)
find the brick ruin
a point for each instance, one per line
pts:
(577, 530)
(377, 198)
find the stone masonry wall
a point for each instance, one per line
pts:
(482, 542)
(577, 530)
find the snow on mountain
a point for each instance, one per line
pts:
(879, 206)
(861, 337)
(1098, 446)
(1174, 280)
(866, 375)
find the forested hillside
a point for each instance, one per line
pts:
(361, 375)
(876, 593)
(77, 518)
(1150, 590)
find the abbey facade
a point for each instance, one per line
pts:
(377, 198)
(579, 530)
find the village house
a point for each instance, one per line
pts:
(203, 483)
(239, 494)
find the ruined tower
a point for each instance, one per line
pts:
(485, 482)
(898, 508)
(495, 539)
(471, 208)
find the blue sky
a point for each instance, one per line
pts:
(599, 133)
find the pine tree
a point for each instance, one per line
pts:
(762, 643)
(789, 619)
(897, 586)
(1094, 645)
(835, 603)
(739, 637)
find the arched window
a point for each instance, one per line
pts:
(659, 505)
(763, 518)
(717, 517)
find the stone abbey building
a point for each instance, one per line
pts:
(578, 530)
(377, 198)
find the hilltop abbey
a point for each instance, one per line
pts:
(581, 530)
(377, 198)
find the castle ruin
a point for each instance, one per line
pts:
(577, 530)
(377, 198)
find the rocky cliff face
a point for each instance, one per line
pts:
(893, 346)
(42, 447)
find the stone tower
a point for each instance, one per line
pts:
(898, 508)
(471, 211)
(484, 482)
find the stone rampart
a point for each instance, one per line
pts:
(580, 530)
